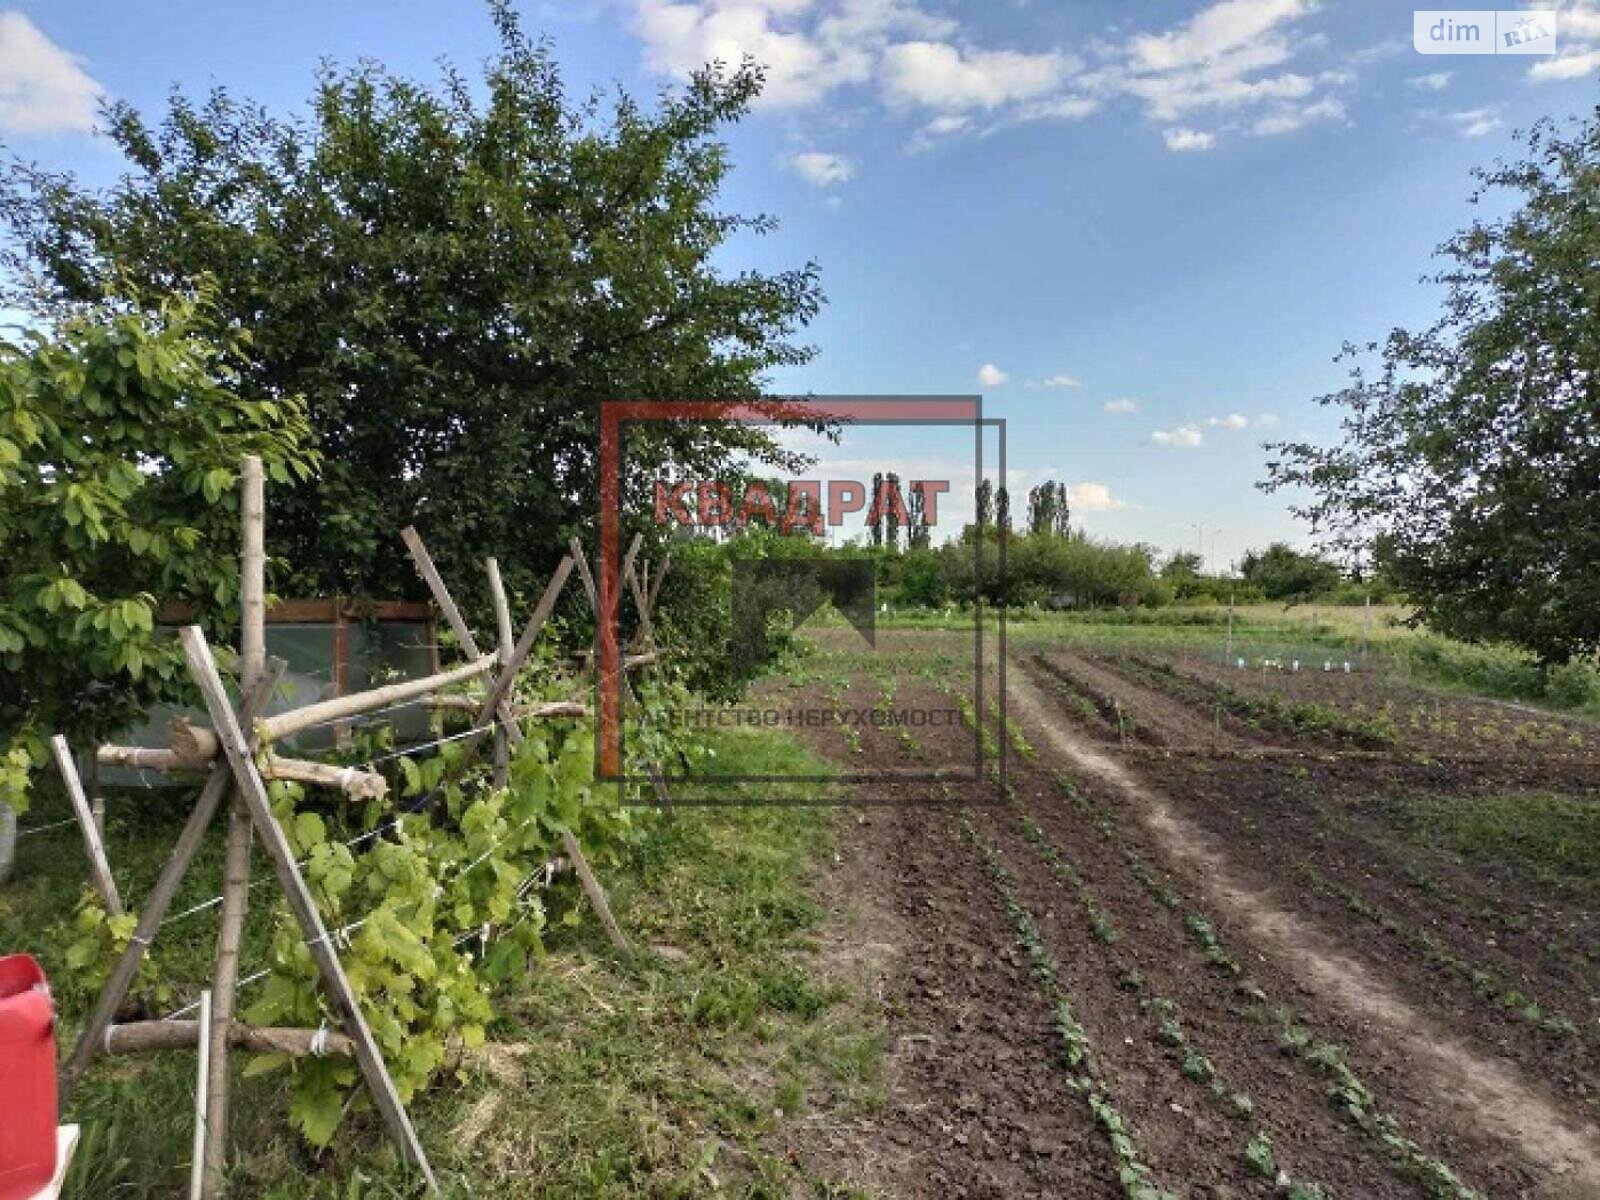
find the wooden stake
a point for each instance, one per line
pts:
(276, 728)
(276, 845)
(155, 907)
(99, 867)
(356, 784)
(655, 584)
(508, 644)
(657, 783)
(140, 1037)
(236, 858)
(202, 1098)
(441, 595)
(593, 890)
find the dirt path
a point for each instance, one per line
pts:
(1482, 1093)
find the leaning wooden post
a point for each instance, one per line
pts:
(441, 596)
(99, 866)
(657, 783)
(236, 861)
(508, 646)
(495, 704)
(155, 906)
(276, 845)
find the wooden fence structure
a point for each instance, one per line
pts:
(234, 755)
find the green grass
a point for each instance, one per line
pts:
(1554, 838)
(668, 1074)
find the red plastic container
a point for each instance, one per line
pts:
(27, 1079)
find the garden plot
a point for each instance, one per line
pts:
(1377, 708)
(1223, 1027)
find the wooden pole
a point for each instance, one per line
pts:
(508, 645)
(654, 593)
(657, 783)
(97, 801)
(276, 728)
(593, 890)
(441, 595)
(354, 783)
(140, 1037)
(155, 907)
(276, 845)
(99, 867)
(236, 858)
(202, 1098)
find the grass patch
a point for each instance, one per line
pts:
(1552, 837)
(666, 1074)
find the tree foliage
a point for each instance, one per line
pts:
(121, 436)
(453, 276)
(1281, 572)
(1470, 452)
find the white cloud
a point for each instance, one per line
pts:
(946, 125)
(1476, 122)
(1579, 21)
(1121, 407)
(1092, 497)
(1061, 381)
(1230, 27)
(1188, 139)
(942, 76)
(822, 169)
(43, 88)
(1062, 108)
(1573, 63)
(1291, 120)
(991, 376)
(808, 50)
(1183, 435)
(1435, 82)
(1267, 421)
(1231, 55)
(1578, 33)
(1231, 421)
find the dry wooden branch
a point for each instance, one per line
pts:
(99, 866)
(354, 783)
(276, 728)
(191, 741)
(543, 710)
(140, 1037)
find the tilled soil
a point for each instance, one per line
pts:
(975, 1103)
(979, 1099)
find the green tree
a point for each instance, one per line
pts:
(454, 276)
(120, 439)
(1049, 510)
(1470, 453)
(1284, 573)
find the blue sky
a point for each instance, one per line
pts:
(1140, 230)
